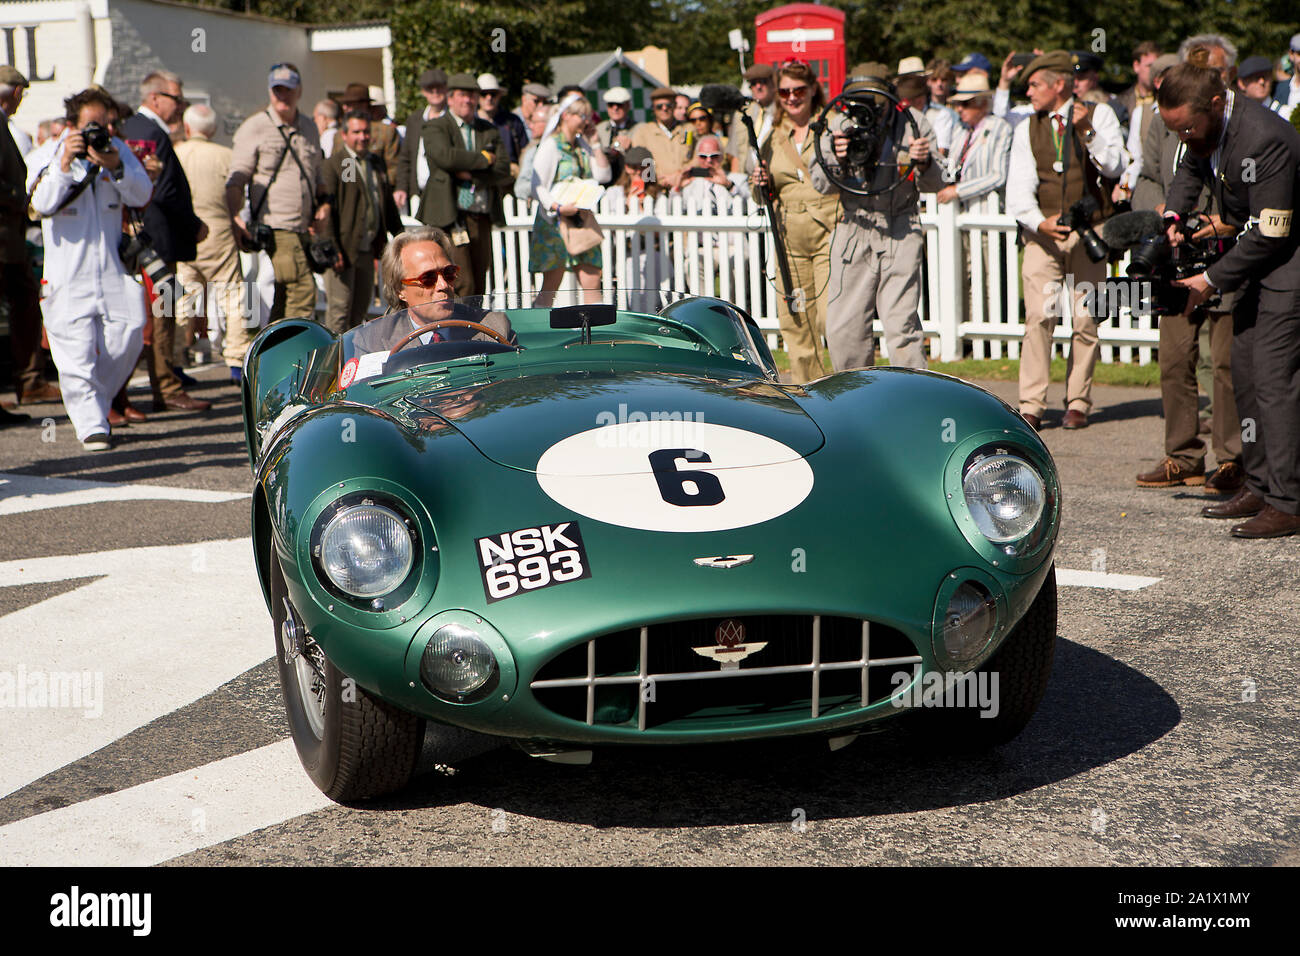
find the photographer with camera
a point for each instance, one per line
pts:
(876, 248)
(277, 157)
(94, 312)
(1065, 160)
(1250, 159)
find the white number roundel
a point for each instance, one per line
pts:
(674, 476)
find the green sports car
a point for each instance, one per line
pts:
(579, 523)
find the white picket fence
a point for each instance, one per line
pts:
(668, 245)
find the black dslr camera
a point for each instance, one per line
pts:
(97, 138)
(138, 255)
(260, 238)
(1078, 218)
(321, 254)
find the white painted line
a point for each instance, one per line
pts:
(1100, 579)
(19, 493)
(164, 627)
(167, 818)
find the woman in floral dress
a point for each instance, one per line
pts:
(566, 152)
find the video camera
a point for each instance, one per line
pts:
(1154, 261)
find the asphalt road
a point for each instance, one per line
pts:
(1168, 734)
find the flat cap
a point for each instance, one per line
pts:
(12, 77)
(1058, 61)
(462, 81)
(538, 90)
(663, 93)
(431, 78)
(355, 93)
(617, 94)
(1255, 64)
(761, 72)
(488, 83)
(878, 70)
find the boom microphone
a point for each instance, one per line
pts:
(1127, 229)
(719, 97)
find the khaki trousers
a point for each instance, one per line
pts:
(876, 270)
(1179, 357)
(295, 283)
(807, 233)
(214, 288)
(1050, 270)
(348, 294)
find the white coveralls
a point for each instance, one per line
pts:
(94, 311)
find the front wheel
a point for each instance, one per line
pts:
(353, 745)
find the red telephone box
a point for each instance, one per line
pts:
(804, 31)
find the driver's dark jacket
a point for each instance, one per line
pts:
(381, 334)
(898, 207)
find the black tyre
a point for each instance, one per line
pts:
(1023, 664)
(353, 745)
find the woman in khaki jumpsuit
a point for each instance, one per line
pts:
(807, 218)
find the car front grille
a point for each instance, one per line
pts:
(654, 676)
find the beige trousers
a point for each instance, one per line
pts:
(1052, 269)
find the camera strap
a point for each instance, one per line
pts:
(257, 209)
(91, 175)
(288, 148)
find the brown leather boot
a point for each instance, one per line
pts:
(1169, 473)
(1227, 479)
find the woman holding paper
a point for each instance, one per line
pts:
(566, 171)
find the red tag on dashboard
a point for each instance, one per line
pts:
(348, 372)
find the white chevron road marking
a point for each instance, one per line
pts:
(1067, 578)
(163, 627)
(20, 493)
(171, 816)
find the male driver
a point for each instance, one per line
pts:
(1066, 150)
(362, 217)
(94, 311)
(277, 156)
(1250, 158)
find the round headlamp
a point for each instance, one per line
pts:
(1005, 497)
(366, 550)
(456, 662)
(968, 622)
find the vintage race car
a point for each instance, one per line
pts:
(609, 523)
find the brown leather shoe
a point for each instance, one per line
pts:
(1269, 523)
(1169, 473)
(48, 392)
(116, 419)
(1074, 419)
(1243, 504)
(1227, 479)
(1035, 422)
(133, 414)
(181, 401)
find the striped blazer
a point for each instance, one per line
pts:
(986, 162)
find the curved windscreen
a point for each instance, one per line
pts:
(449, 329)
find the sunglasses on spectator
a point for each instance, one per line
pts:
(429, 280)
(708, 155)
(792, 92)
(170, 96)
(664, 105)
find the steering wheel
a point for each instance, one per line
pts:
(463, 323)
(872, 109)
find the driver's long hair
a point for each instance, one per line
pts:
(798, 70)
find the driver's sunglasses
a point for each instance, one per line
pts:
(429, 279)
(792, 92)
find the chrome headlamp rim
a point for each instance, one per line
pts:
(998, 458)
(391, 580)
(401, 587)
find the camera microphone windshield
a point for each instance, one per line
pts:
(721, 98)
(1127, 229)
